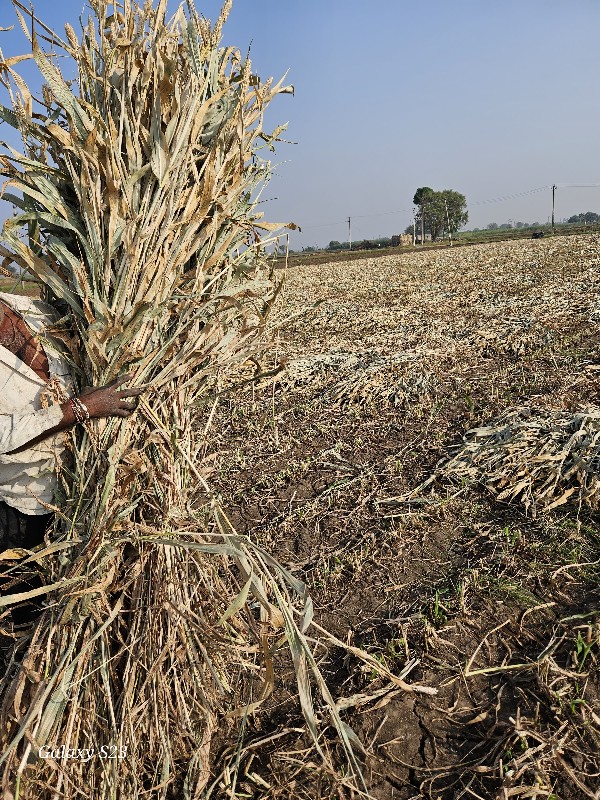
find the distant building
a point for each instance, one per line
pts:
(402, 240)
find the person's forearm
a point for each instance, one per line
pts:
(20, 441)
(67, 421)
(21, 431)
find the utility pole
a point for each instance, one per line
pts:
(414, 227)
(554, 187)
(349, 233)
(448, 221)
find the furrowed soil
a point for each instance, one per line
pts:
(384, 365)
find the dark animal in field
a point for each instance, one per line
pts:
(537, 235)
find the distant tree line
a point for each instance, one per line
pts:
(587, 218)
(366, 244)
(440, 213)
(493, 226)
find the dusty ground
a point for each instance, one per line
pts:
(387, 364)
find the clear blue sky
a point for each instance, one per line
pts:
(489, 98)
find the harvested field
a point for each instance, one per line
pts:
(426, 459)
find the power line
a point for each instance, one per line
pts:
(504, 197)
(500, 199)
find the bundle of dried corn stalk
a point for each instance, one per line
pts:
(139, 189)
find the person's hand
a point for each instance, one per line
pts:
(109, 401)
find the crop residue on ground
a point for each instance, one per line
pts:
(355, 464)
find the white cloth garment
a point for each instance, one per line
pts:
(28, 479)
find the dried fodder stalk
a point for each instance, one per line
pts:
(542, 459)
(367, 378)
(516, 338)
(138, 186)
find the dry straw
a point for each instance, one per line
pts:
(138, 183)
(541, 458)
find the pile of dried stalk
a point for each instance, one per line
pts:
(541, 458)
(138, 187)
(362, 378)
